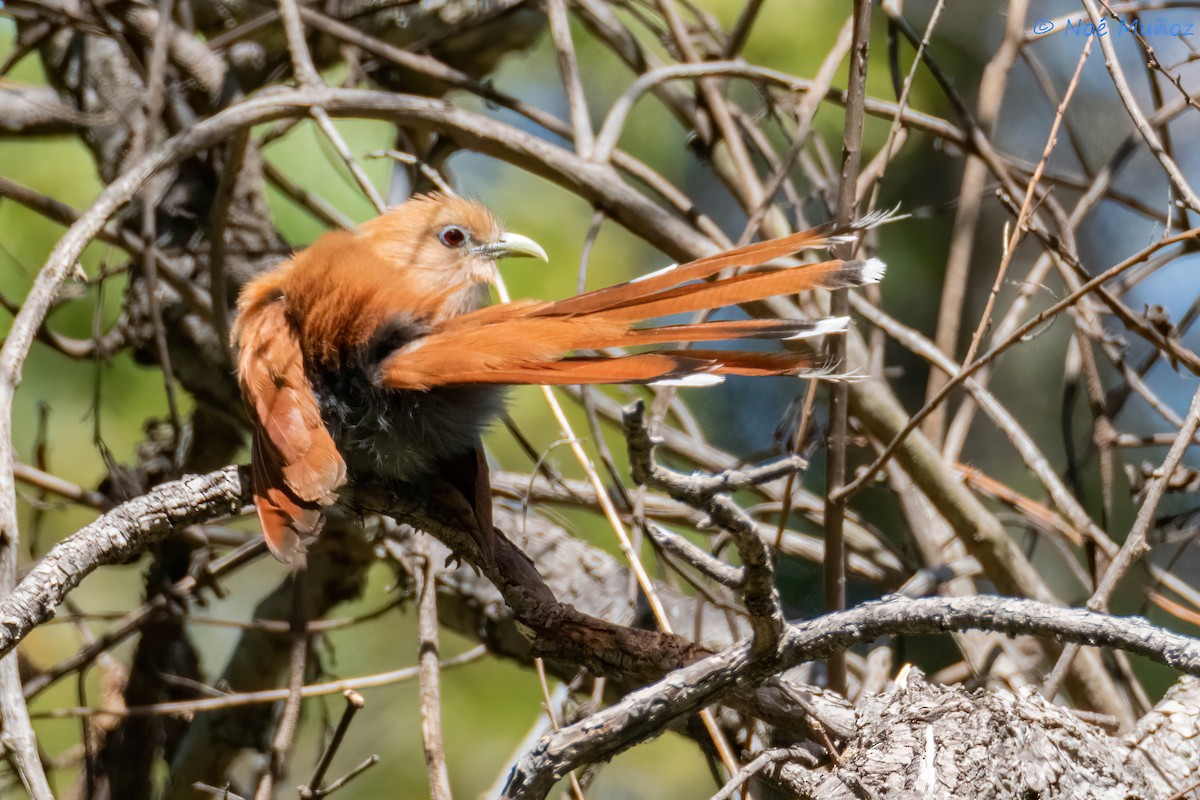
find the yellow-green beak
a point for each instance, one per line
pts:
(513, 245)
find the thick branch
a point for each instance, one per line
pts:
(36, 111)
(647, 712)
(116, 537)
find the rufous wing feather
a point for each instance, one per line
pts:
(286, 520)
(296, 465)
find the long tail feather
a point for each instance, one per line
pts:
(748, 288)
(671, 367)
(751, 255)
(758, 364)
(727, 330)
(639, 368)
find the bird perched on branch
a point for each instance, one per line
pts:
(371, 353)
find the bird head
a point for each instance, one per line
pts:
(449, 239)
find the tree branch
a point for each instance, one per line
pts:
(116, 537)
(647, 712)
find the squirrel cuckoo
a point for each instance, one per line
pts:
(371, 353)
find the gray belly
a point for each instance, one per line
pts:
(404, 435)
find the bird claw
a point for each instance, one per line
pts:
(454, 561)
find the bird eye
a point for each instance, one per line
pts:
(453, 236)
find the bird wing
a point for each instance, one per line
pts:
(529, 343)
(296, 466)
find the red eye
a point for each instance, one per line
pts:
(453, 236)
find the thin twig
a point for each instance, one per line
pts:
(354, 704)
(760, 762)
(430, 694)
(834, 572)
(313, 203)
(1027, 203)
(568, 67)
(970, 200)
(759, 591)
(351, 775)
(806, 110)
(218, 224)
(708, 565)
(289, 717)
(1135, 545)
(224, 702)
(548, 703)
(896, 130)
(741, 30)
(308, 77)
(747, 188)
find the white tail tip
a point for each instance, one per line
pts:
(841, 238)
(654, 274)
(821, 327)
(873, 270)
(692, 381)
(879, 217)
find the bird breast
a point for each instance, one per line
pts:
(404, 435)
(392, 433)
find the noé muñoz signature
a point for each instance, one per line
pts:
(1120, 27)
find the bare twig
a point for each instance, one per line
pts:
(552, 715)
(760, 594)
(309, 201)
(430, 695)
(568, 66)
(351, 775)
(747, 187)
(1135, 545)
(235, 700)
(970, 201)
(740, 32)
(708, 565)
(312, 789)
(834, 572)
(307, 76)
(760, 762)
(289, 717)
(1027, 204)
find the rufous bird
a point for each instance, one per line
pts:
(372, 352)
